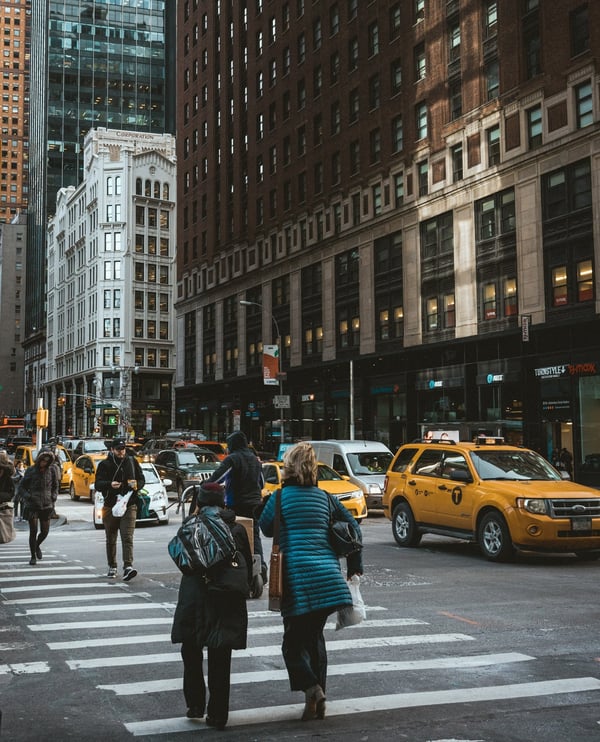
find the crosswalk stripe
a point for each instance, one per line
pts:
(147, 639)
(98, 608)
(271, 650)
(47, 573)
(24, 565)
(74, 586)
(117, 623)
(388, 702)
(24, 668)
(243, 678)
(71, 598)
(44, 577)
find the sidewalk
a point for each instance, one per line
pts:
(67, 512)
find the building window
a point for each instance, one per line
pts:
(534, 127)
(395, 20)
(559, 286)
(373, 39)
(423, 177)
(455, 98)
(580, 31)
(449, 311)
(420, 64)
(396, 76)
(334, 68)
(419, 10)
(421, 120)
(399, 189)
(375, 146)
(493, 145)
(454, 42)
(457, 162)
(568, 189)
(353, 54)
(585, 281)
(495, 215)
(431, 313)
(397, 134)
(374, 92)
(354, 157)
(491, 18)
(376, 195)
(353, 101)
(511, 307)
(584, 105)
(492, 78)
(489, 301)
(532, 47)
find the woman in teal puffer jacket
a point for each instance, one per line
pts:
(314, 586)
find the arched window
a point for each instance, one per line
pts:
(156, 189)
(165, 191)
(147, 188)
(138, 186)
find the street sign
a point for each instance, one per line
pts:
(281, 401)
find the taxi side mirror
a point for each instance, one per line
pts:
(460, 475)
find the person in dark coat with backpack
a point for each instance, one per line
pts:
(242, 476)
(38, 490)
(313, 583)
(216, 619)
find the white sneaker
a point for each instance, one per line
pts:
(129, 573)
(112, 572)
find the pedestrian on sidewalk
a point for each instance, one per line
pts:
(38, 490)
(313, 584)
(215, 619)
(7, 485)
(17, 477)
(119, 474)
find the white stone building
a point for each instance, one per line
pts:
(111, 273)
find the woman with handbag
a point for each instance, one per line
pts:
(313, 584)
(211, 614)
(39, 490)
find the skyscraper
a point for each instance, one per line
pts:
(94, 64)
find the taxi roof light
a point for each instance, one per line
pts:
(489, 440)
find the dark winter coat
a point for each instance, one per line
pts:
(39, 487)
(312, 577)
(114, 469)
(211, 618)
(241, 473)
(7, 484)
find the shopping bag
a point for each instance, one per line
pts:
(120, 507)
(352, 615)
(7, 525)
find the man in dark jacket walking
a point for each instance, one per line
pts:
(119, 474)
(241, 473)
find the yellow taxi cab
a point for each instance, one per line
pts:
(351, 497)
(28, 455)
(501, 497)
(83, 475)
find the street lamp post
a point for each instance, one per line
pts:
(279, 341)
(125, 396)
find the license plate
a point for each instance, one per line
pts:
(581, 524)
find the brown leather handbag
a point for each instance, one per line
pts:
(276, 563)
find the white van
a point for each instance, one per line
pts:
(364, 462)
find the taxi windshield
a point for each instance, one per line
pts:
(494, 464)
(369, 462)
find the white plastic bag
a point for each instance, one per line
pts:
(352, 615)
(120, 507)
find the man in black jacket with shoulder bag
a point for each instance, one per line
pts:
(119, 474)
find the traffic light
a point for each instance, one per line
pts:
(88, 403)
(61, 400)
(41, 418)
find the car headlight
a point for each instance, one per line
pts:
(535, 505)
(374, 489)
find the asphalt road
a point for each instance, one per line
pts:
(454, 648)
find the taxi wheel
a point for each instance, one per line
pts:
(404, 527)
(494, 538)
(72, 492)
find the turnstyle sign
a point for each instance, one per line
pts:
(281, 401)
